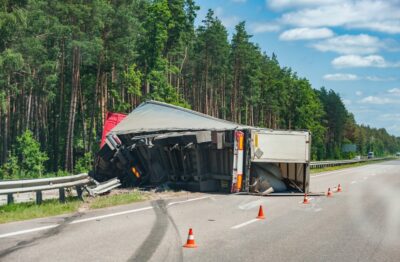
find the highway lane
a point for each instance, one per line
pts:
(360, 224)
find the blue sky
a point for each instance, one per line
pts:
(352, 47)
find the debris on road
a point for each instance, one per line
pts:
(101, 188)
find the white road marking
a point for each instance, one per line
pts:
(365, 178)
(15, 233)
(110, 215)
(340, 171)
(245, 223)
(251, 204)
(353, 182)
(330, 173)
(189, 200)
(27, 231)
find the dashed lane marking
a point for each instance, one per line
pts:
(245, 223)
(189, 200)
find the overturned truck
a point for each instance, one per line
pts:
(158, 144)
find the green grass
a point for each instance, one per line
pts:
(24, 211)
(114, 200)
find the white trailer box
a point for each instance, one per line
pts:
(280, 153)
(276, 146)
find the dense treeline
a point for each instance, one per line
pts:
(65, 64)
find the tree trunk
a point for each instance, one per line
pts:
(94, 108)
(69, 160)
(58, 118)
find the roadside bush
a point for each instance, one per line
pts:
(26, 159)
(10, 169)
(31, 158)
(84, 164)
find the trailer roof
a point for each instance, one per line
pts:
(153, 116)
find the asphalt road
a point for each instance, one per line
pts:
(362, 223)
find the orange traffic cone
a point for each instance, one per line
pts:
(261, 213)
(190, 241)
(339, 188)
(306, 201)
(329, 193)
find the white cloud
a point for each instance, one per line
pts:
(282, 4)
(346, 101)
(377, 78)
(306, 33)
(218, 11)
(394, 129)
(382, 16)
(362, 61)
(340, 77)
(359, 93)
(227, 21)
(264, 27)
(375, 100)
(351, 44)
(348, 77)
(394, 91)
(390, 116)
(391, 26)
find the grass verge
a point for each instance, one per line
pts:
(24, 211)
(29, 210)
(115, 200)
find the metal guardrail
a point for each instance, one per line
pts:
(104, 187)
(322, 164)
(11, 187)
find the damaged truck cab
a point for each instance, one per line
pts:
(161, 144)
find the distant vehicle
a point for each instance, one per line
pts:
(357, 158)
(398, 154)
(370, 155)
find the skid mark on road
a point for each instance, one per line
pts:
(52, 231)
(150, 245)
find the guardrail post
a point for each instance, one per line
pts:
(10, 199)
(79, 192)
(39, 197)
(61, 193)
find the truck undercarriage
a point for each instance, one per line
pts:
(161, 144)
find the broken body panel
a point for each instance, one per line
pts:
(159, 143)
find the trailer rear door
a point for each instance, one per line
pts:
(280, 146)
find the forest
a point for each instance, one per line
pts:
(65, 64)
